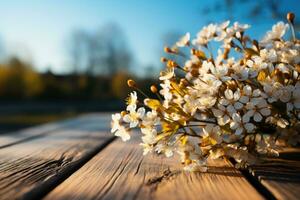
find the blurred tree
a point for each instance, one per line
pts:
(78, 45)
(2, 50)
(150, 71)
(18, 80)
(119, 86)
(102, 52)
(116, 54)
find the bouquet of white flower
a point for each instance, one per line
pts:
(242, 104)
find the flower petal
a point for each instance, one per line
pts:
(224, 102)
(228, 94)
(244, 99)
(257, 117)
(249, 127)
(238, 105)
(231, 109)
(247, 90)
(239, 131)
(265, 111)
(217, 112)
(224, 120)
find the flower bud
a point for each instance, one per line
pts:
(184, 82)
(187, 161)
(163, 59)
(168, 50)
(255, 43)
(231, 85)
(153, 89)
(242, 62)
(226, 53)
(171, 64)
(195, 72)
(198, 53)
(290, 17)
(123, 113)
(193, 51)
(210, 60)
(131, 83)
(277, 72)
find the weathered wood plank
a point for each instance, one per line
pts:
(30, 169)
(120, 171)
(12, 138)
(280, 176)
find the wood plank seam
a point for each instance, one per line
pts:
(40, 191)
(120, 171)
(257, 185)
(62, 124)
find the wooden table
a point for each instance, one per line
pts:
(80, 159)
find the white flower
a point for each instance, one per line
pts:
(240, 27)
(295, 99)
(133, 117)
(149, 136)
(184, 41)
(210, 82)
(115, 123)
(150, 119)
(277, 32)
(239, 125)
(146, 148)
(284, 93)
(132, 101)
(191, 103)
(206, 34)
(240, 73)
(206, 102)
(166, 75)
(220, 72)
(222, 115)
(269, 89)
(257, 107)
(213, 131)
(267, 144)
(256, 65)
(123, 133)
(282, 123)
(231, 100)
(166, 93)
(248, 94)
(284, 68)
(164, 148)
(216, 104)
(222, 33)
(269, 55)
(226, 34)
(206, 66)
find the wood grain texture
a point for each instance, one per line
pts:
(30, 168)
(281, 176)
(120, 171)
(12, 138)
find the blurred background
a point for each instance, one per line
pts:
(62, 58)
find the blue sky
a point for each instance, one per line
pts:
(38, 30)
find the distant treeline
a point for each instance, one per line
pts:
(18, 81)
